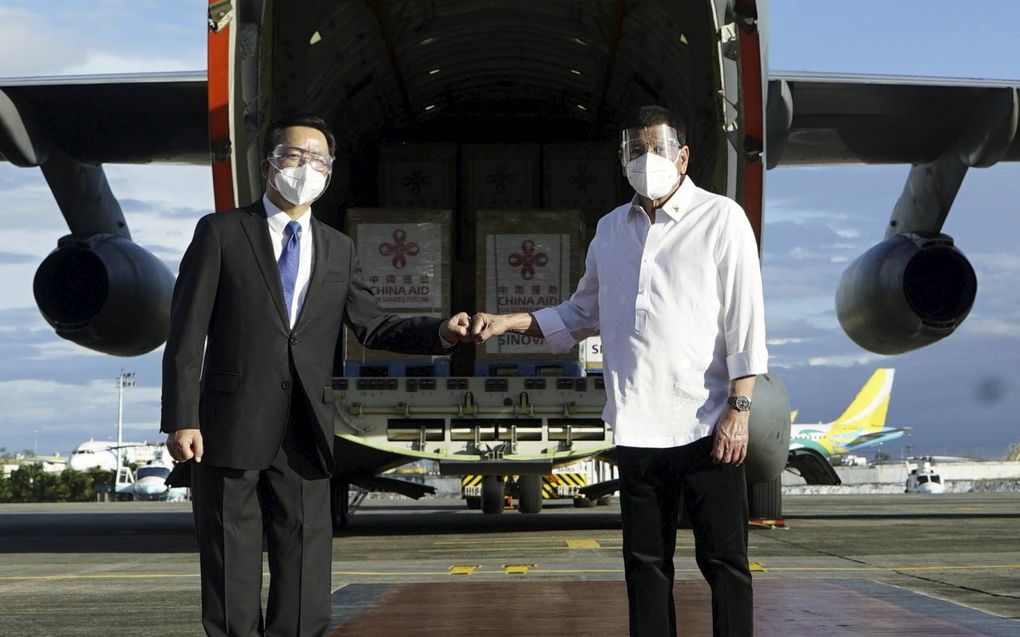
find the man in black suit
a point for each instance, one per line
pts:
(267, 301)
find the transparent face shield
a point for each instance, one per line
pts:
(292, 157)
(661, 140)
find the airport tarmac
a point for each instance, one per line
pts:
(846, 565)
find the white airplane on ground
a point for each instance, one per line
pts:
(102, 454)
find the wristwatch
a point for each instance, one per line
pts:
(739, 403)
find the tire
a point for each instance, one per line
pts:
(765, 500)
(492, 495)
(583, 503)
(340, 504)
(605, 500)
(474, 502)
(530, 500)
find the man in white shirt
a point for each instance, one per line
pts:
(673, 283)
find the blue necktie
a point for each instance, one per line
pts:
(289, 261)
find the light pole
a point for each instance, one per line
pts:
(125, 379)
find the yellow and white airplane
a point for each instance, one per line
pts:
(861, 425)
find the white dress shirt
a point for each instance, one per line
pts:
(679, 305)
(278, 221)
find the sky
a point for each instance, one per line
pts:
(958, 396)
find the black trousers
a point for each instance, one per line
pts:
(230, 507)
(652, 483)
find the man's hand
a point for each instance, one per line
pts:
(730, 446)
(455, 330)
(485, 326)
(185, 444)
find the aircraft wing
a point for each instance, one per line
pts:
(815, 118)
(137, 118)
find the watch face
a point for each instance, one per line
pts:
(740, 403)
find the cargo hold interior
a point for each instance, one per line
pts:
(480, 106)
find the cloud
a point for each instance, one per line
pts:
(101, 63)
(66, 41)
(66, 413)
(22, 49)
(993, 327)
(8, 258)
(848, 360)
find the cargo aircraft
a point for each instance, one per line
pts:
(464, 72)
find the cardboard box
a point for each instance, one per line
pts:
(586, 177)
(418, 176)
(501, 176)
(527, 260)
(405, 258)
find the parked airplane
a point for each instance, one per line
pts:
(103, 454)
(861, 425)
(465, 73)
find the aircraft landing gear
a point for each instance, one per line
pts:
(340, 504)
(492, 494)
(530, 500)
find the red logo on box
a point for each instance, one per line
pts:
(399, 248)
(527, 260)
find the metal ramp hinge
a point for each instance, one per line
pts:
(220, 15)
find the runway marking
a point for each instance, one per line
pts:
(517, 569)
(464, 569)
(70, 576)
(770, 569)
(541, 571)
(523, 542)
(583, 544)
(837, 569)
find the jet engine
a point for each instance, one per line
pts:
(906, 292)
(106, 293)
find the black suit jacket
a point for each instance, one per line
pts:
(228, 297)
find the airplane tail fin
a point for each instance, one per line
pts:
(868, 409)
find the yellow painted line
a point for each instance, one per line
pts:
(840, 569)
(390, 573)
(757, 567)
(517, 569)
(464, 569)
(583, 544)
(498, 549)
(769, 570)
(582, 571)
(542, 540)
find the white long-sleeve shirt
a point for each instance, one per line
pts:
(679, 306)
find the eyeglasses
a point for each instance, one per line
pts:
(290, 157)
(660, 139)
(631, 150)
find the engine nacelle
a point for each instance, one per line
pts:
(905, 293)
(105, 293)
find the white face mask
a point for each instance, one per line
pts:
(652, 176)
(299, 185)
